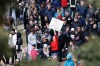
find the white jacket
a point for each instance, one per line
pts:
(32, 39)
(12, 40)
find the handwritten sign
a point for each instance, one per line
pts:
(56, 24)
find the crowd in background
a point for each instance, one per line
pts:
(80, 21)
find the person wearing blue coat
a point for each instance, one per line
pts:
(81, 9)
(55, 3)
(49, 12)
(69, 61)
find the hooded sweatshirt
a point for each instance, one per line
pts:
(69, 62)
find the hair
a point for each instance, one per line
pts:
(74, 43)
(33, 45)
(33, 30)
(13, 29)
(43, 4)
(58, 8)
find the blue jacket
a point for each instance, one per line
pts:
(69, 62)
(56, 3)
(56, 14)
(82, 10)
(50, 13)
(82, 21)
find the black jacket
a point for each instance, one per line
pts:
(19, 39)
(19, 42)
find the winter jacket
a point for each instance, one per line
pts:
(82, 11)
(82, 21)
(49, 13)
(19, 39)
(64, 3)
(32, 39)
(61, 42)
(63, 29)
(90, 12)
(19, 42)
(48, 37)
(12, 40)
(54, 44)
(69, 62)
(56, 3)
(42, 11)
(34, 54)
(66, 37)
(75, 24)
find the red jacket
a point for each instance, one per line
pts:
(64, 3)
(54, 44)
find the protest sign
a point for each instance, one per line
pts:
(56, 24)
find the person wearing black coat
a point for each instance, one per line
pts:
(42, 12)
(61, 46)
(66, 36)
(25, 17)
(19, 44)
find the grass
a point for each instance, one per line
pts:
(37, 62)
(4, 47)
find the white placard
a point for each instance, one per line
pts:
(56, 24)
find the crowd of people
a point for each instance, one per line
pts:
(80, 21)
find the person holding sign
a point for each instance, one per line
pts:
(54, 46)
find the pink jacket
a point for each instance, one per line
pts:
(34, 53)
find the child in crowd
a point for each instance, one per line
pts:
(69, 61)
(34, 53)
